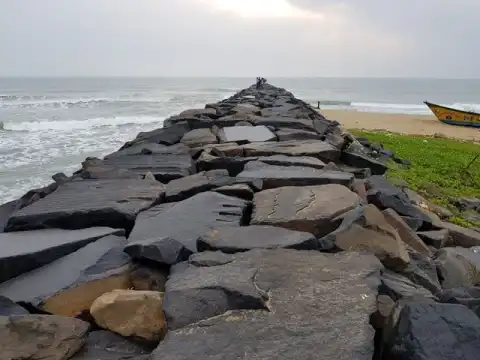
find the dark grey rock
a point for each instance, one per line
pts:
(435, 238)
(6, 210)
(210, 258)
(458, 267)
(148, 148)
(242, 191)
(299, 285)
(464, 204)
(356, 155)
(199, 137)
(208, 112)
(296, 134)
(285, 122)
(414, 222)
(105, 345)
(163, 251)
(246, 134)
(234, 165)
(164, 167)
(10, 308)
(186, 220)
(432, 331)
(69, 285)
(88, 203)
(183, 188)
(283, 160)
(422, 270)
(95, 169)
(148, 278)
(467, 296)
(236, 239)
(167, 135)
(23, 251)
(460, 236)
(278, 176)
(399, 287)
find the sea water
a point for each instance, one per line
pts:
(52, 124)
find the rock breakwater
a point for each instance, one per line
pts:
(252, 228)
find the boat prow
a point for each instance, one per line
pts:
(452, 116)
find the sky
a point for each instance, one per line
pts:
(272, 38)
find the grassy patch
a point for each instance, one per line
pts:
(437, 166)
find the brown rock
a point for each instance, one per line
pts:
(41, 337)
(358, 186)
(309, 208)
(148, 279)
(458, 267)
(367, 229)
(131, 313)
(406, 233)
(460, 236)
(199, 137)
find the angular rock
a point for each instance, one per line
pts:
(41, 337)
(432, 331)
(148, 278)
(295, 282)
(199, 137)
(9, 308)
(164, 167)
(469, 297)
(210, 258)
(365, 228)
(460, 236)
(422, 271)
(295, 134)
(311, 209)
(407, 235)
(186, 220)
(285, 122)
(242, 191)
(88, 203)
(162, 251)
(318, 149)
(245, 109)
(237, 239)
(211, 113)
(105, 345)
(464, 204)
(183, 188)
(358, 187)
(148, 148)
(6, 210)
(355, 155)
(95, 169)
(246, 134)
(277, 176)
(131, 313)
(167, 135)
(69, 285)
(458, 267)
(283, 160)
(384, 195)
(398, 287)
(27, 250)
(435, 238)
(234, 165)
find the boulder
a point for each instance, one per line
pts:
(318, 149)
(241, 109)
(236, 239)
(242, 191)
(69, 285)
(209, 258)
(27, 250)
(105, 345)
(458, 267)
(296, 134)
(148, 278)
(211, 306)
(246, 134)
(285, 123)
(161, 251)
(365, 228)
(432, 331)
(9, 308)
(199, 137)
(131, 313)
(88, 203)
(435, 238)
(184, 221)
(311, 209)
(234, 165)
(149, 148)
(95, 169)
(274, 176)
(467, 296)
(6, 210)
(211, 113)
(407, 235)
(41, 337)
(167, 135)
(298, 161)
(460, 236)
(356, 155)
(183, 188)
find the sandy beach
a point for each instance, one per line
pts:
(399, 123)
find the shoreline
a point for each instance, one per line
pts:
(400, 123)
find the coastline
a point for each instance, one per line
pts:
(400, 123)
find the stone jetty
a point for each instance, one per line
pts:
(253, 228)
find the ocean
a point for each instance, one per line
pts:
(52, 124)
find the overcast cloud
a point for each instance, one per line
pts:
(417, 38)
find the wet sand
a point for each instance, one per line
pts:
(399, 123)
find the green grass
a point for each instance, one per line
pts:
(437, 165)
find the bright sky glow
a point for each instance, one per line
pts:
(262, 9)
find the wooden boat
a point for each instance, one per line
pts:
(451, 116)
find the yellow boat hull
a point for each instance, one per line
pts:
(454, 116)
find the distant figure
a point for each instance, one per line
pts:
(2, 125)
(258, 83)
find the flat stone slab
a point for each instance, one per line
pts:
(278, 176)
(286, 122)
(242, 191)
(167, 135)
(69, 285)
(283, 160)
(237, 239)
(296, 134)
(432, 331)
(186, 220)
(272, 304)
(164, 167)
(199, 137)
(312, 209)
(148, 148)
(23, 251)
(318, 149)
(81, 204)
(246, 134)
